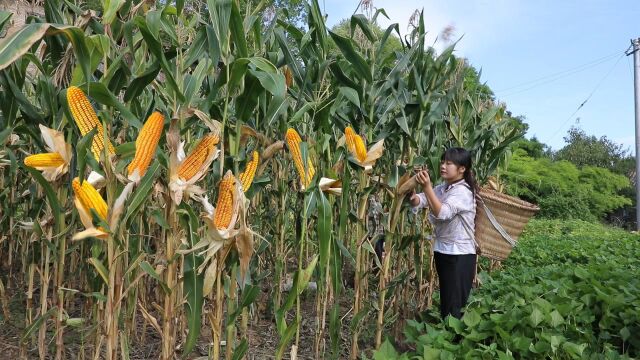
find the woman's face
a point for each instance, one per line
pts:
(451, 172)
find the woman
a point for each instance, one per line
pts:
(453, 210)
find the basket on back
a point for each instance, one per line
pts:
(510, 216)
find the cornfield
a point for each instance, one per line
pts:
(120, 131)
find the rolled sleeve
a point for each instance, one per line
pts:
(423, 203)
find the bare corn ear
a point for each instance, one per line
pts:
(44, 160)
(355, 144)
(147, 143)
(293, 142)
(246, 178)
(89, 197)
(85, 117)
(224, 206)
(192, 164)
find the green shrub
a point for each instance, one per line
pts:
(570, 290)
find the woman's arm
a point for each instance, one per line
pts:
(423, 179)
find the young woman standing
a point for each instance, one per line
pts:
(453, 211)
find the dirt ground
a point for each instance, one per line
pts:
(80, 341)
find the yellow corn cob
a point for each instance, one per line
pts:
(192, 164)
(246, 178)
(90, 198)
(146, 143)
(52, 160)
(224, 207)
(349, 134)
(355, 144)
(86, 119)
(293, 142)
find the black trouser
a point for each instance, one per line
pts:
(456, 277)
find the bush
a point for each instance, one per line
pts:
(570, 290)
(562, 190)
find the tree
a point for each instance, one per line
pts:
(584, 150)
(533, 147)
(563, 190)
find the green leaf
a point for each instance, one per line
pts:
(100, 93)
(286, 338)
(101, 269)
(4, 17)
(52, 198)
(455, 324)
(240, 350)
(142, 191)
(18, 43)
(361, 21)
(385, 352)
(471, 318)
(155, 47)
(324, 226)
(138, 84)
(30, 330)
(110, 10)
(351, 95)
(83, 149)
(431, 353)
(146, 267)
(536, 317)
(556, 319)
(360, 65)
(219, 15)
(193, 281)
(236, 28)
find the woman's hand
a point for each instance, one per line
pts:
(423, 179)
(414, 199)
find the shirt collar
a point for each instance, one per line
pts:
(452, 185)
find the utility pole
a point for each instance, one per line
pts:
(635, 44)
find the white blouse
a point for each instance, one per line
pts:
(451, 236)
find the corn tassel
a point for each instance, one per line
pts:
(293, 142)
(90, 198)
(224, 207)
(355, 144)
(50, 160)
(193, 163)
(147, 143)
(246, 178)
(86, 119)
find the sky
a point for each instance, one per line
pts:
(542, 58)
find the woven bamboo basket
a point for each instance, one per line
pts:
(510, 212)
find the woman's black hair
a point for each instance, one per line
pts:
(462, 157)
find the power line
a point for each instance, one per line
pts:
(556, 76)
(585, 100)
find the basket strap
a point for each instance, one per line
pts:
(496, 224)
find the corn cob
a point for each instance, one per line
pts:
(288, 77)
(52, 160)
(192, 164)
(146, 143)
(224, 207)
(86, 119)
(246, 178)
(90, 198)
(355, 144)
(293, 142)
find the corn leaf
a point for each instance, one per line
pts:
(359, 64)
(100, 268)
(142, 191)
(193, 282)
